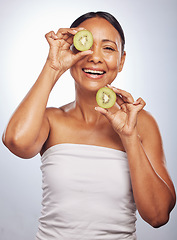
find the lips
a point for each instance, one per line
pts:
(93, 71)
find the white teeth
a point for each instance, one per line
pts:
(93, 71)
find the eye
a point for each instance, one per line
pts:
(109, 49)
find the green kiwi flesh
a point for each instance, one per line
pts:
(105, 97)
(83, 40)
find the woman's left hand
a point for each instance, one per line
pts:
(124, 119)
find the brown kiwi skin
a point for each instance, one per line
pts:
(108, 94)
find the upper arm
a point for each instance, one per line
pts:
(41, 139)
(24, 150)
(153, 146)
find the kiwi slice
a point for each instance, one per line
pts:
(83, 40)
(105, 97)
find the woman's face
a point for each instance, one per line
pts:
(102, 66)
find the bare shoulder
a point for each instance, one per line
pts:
(52, 112)
(58, 120)
(147, 126)
(146, 117)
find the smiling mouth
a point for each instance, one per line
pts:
(94, 72)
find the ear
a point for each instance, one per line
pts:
(122, 61)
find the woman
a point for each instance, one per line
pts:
(98, 165)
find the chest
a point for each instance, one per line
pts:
(79, 133)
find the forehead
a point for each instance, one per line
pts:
(101, 28)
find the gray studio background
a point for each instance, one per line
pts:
(150, 71)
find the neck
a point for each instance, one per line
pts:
(85, 105)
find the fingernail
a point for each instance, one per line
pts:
(108, 85)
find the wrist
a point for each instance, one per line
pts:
(54, 73)
(130, 140)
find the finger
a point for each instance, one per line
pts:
(51, 35)
(126, 96)
(140, 102)
(69, 31)
(68, 34)
(66, 31)
(77, 29)
(69, 40)
(81, 55)
(65, 44)
(105, 112)
(119, 100)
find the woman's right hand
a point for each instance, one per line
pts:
(61, 57)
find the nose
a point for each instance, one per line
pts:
(96, 56)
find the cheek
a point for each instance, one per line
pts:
(113, 63)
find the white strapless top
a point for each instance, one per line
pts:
(87, 194)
